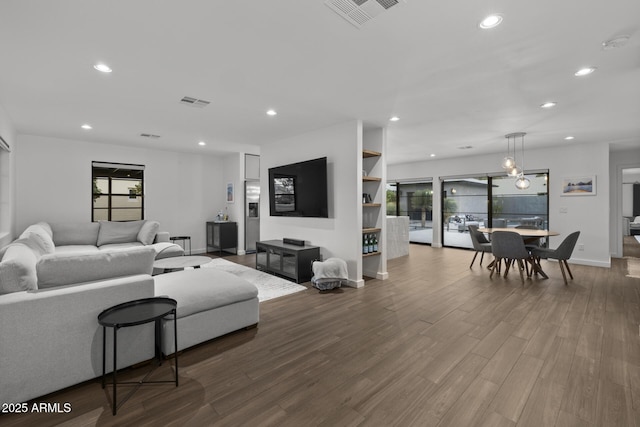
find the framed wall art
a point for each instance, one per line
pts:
(583, 185)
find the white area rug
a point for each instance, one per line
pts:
(269, 286)
(633, 267)
(637, 238)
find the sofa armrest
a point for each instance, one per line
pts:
(50, 338)
(162, 236)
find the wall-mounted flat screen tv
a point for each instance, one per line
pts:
(299, 189)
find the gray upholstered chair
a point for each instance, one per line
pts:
(562, 253)
(480, 243)
(509, 246)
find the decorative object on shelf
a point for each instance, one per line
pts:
(579, 186)
(510, 164)
(364, 172)
(366, 198)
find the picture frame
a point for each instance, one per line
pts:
(230, 193)
(581, 185)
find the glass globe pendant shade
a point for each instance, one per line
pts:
(514, 171)
(508, 163)
(522, 183)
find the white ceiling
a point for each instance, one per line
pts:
(427, 62)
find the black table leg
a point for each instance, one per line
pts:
(104, 345)
(115, 364)
(175, 341)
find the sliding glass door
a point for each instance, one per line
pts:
(464, 203)
(415, 200)
(492, 201)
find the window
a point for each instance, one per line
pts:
(5, 185)
(117, 192)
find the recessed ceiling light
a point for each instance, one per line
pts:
(394, 119)
(548, 105)
(271, 112)
(490, 21)
(103, 68)
(202, 143)
(432, 155)
(584, 71)
(569, 138)
(86, 127)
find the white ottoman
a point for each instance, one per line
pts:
(211, 303)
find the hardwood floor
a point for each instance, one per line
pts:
(437, 344)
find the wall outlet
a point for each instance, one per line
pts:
(581, 247)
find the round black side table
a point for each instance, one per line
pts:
(134, 313)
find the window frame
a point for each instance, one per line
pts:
(116, 171)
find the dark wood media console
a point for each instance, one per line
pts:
(291, 261)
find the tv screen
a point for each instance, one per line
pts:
(299, 189)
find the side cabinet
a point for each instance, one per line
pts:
(291, 261)
(222, 235)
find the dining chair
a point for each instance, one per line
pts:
(509, 246)
(562, 253)
(480, 243)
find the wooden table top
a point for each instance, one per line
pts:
(524, 232)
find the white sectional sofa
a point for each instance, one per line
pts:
(49, 334)
(38, 257)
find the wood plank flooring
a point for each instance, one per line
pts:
(437, 344)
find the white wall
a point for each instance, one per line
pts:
(7, 180)
(339, 235)
(618, 161)
(53, 183)
(589, 214)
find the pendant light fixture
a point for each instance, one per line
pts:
(522, 183)
(509, 162)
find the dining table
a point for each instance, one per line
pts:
(528, 236)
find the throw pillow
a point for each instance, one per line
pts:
(39, 235)
(18, 269)
(148, 232)
(118, 232)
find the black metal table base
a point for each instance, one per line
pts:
(157, 362)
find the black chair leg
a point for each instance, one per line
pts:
(568, 269)
(564, 276)
(521, 270)
(474, 259)
(481, 257)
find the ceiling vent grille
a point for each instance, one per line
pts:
(359, 12)
(194, 102)
(149, 135)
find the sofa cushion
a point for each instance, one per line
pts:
(203, 289)
(120, 246)
(148, 232)
(76, 249)
(118, 232)
(18, 268)
(41, 237)
(65, 269)
(81, 233)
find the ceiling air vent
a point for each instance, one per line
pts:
(358, 12)
(465, 147)
(194, 102)
(149, 135)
